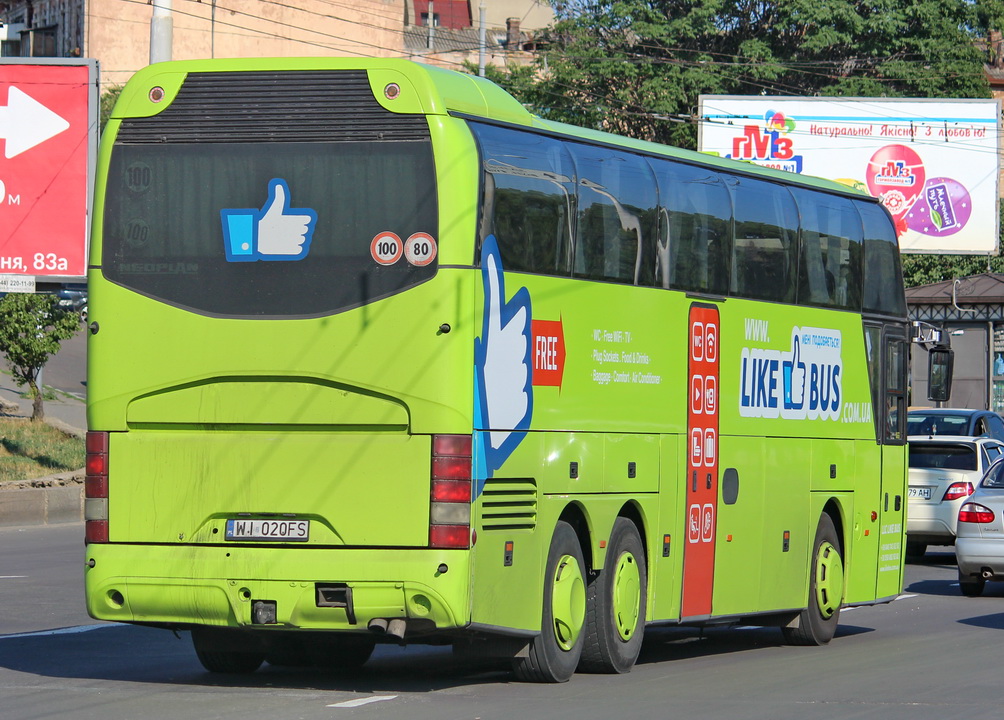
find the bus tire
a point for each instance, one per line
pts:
(615, 604)
(971, 586)
(553, 655)
(817, 623)
(221, 651)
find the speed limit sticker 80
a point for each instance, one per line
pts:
(419, 249)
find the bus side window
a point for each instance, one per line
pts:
(615, 227)
(527, 199)
(831, 251)
(883, 284)
(766, 241)
(698, 209)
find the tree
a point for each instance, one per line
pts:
(31, 328)
(637, 67)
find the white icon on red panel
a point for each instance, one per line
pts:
(710, 395)
(707, 522)
(711, 342)
(697, 341)
(697, 394)
(696, 446)
(709, 448)
(694, 524)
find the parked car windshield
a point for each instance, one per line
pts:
(945, 457)
(994, 477)
(920, 424)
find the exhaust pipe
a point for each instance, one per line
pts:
(986, 573)
(378, 625)
(395, 628)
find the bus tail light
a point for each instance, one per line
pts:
(958, 490)
(972, 512)
(450, 510)
(96, 489)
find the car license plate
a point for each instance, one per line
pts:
(268, 530)
(924, 493)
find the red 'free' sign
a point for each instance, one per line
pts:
(45, 139)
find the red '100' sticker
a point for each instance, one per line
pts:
(386, 248)
(420, 249)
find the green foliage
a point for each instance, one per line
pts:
(31, 329)
(30, 450)
(637, 67)
(108, 99)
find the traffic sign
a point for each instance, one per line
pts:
(48, 131)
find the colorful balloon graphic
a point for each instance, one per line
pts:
(942, 209)
(896, 174)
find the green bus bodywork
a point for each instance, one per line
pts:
(327, 413)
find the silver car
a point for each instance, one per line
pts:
(943, 472)
(979, 546)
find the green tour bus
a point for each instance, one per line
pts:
(376, 355)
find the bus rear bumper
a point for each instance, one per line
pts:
(308, 588)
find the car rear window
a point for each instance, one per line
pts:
(945, 457)
(994, 477)
(936, 425)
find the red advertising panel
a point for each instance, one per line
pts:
(47, 138)
(702, 462)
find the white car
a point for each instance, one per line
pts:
(944, 470)
(979, 546)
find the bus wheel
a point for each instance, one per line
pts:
(554, 654)
(971, 586)
(223, 651)
(818, 622)
(615, 605)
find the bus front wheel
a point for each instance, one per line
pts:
(615, 604)
(226, 651)
(818, 622)
(554, 654)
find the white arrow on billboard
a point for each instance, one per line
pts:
(25, 123)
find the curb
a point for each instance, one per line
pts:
(43, 501)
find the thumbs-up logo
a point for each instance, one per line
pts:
(275, 232)
(503, 371)
(794, 378)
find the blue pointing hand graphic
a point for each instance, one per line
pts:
(502, 363)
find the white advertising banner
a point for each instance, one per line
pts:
(934, 163)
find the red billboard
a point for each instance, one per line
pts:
(48, 136)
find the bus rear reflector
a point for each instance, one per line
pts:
(450, 536)
(96, 488)
(450, 493)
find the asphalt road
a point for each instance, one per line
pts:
(67, 370)
(931, 654)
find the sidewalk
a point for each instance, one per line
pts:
(56, 498)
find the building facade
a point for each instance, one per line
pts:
(117, 32)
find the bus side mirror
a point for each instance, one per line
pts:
(940, 362)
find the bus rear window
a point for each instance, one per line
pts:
(164, 234)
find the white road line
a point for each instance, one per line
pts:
(11, 577)
(907, 597)
(60, 631)
(362, 701)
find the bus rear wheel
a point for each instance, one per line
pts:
(818, 622)
(227, 651)
(615, 604)
(554, 654)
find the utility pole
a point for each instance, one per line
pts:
(161, 31)
(432, 26)
(481, 38)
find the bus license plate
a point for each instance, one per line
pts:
(269, 530)
(924, 493)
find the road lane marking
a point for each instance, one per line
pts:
(11, 577)
(361, 701)
(60, 631)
